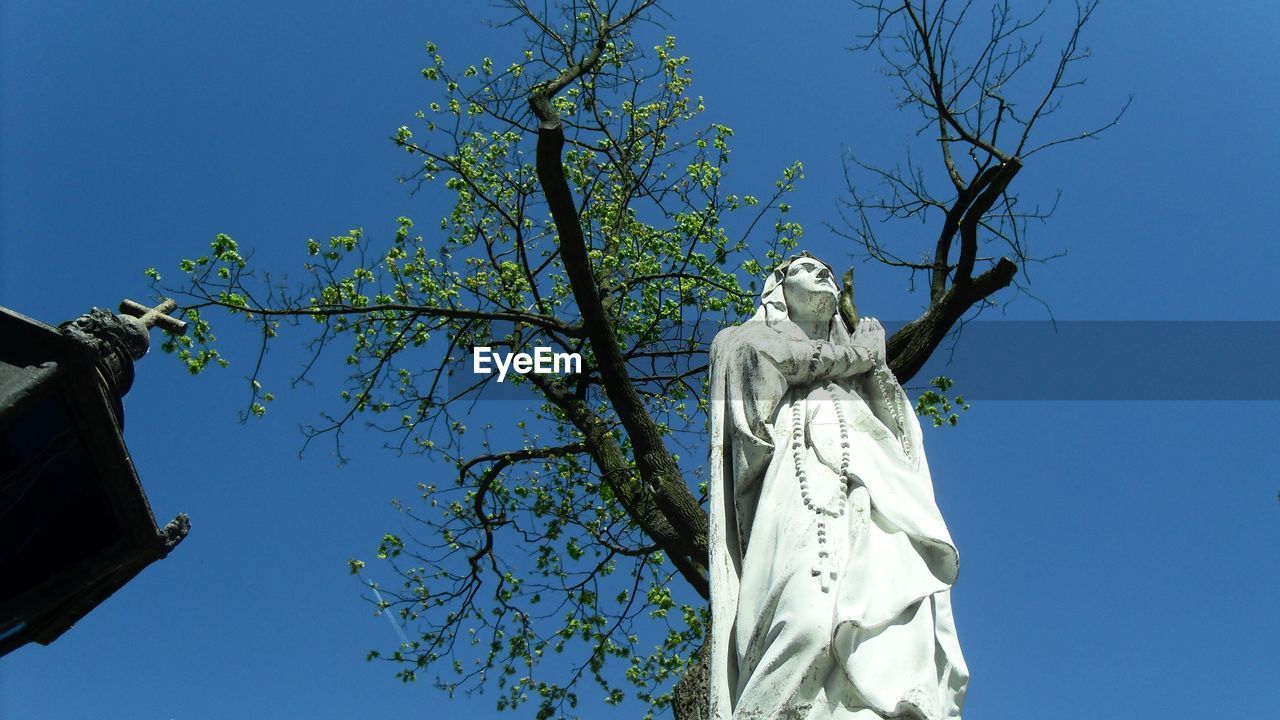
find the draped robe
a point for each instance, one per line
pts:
(831, 566)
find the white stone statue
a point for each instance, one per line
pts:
(831, 567)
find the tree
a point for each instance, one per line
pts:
(964, 101)
(588, 215)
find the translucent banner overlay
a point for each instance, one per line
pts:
(1112, 360)
(1009, 360)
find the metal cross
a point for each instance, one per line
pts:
(158, 315)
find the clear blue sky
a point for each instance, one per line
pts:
(1119, 556)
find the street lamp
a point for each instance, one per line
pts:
(75, 525)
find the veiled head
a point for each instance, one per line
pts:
(802, 286)
(809, 287)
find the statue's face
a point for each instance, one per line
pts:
(809, 283)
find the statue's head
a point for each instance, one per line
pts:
(802, 285)
(809, 286)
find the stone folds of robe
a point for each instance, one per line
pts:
(838, 613)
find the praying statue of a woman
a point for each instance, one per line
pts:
(831, 567)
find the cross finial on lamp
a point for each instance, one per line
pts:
(158, 315)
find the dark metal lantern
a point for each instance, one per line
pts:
(75, 525)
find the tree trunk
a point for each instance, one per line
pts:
(691, 697)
